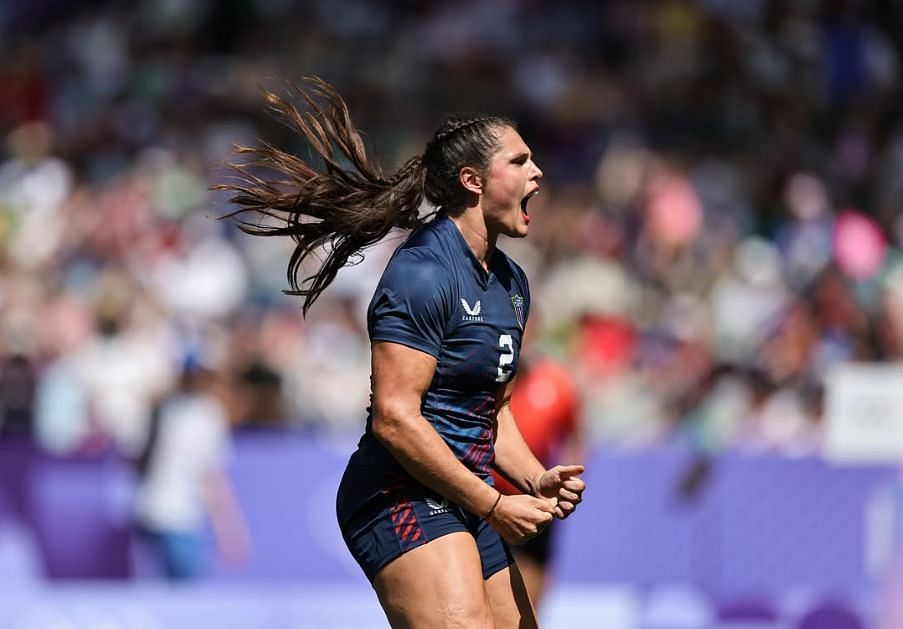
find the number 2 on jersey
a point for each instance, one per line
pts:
(506, 359)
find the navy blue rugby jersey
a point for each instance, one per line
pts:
(434, 296)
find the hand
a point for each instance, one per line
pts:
(234, 546)
(520, 518)
(564, 485)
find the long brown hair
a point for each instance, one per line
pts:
(346, 203)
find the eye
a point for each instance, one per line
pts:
(520, 160)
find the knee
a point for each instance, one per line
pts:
(463, 614)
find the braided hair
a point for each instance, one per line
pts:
(338, 209)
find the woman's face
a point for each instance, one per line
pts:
(512, 178)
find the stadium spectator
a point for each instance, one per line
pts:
(184, 483)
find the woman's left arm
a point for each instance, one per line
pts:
(515, 461)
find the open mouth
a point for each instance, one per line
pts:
(525, 201)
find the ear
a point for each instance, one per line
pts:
(471, 179)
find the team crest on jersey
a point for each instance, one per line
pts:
(471, 313)
(518, 302)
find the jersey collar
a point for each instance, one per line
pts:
(479, 273)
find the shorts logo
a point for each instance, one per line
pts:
(472, 314)
(437, 506)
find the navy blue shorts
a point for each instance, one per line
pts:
(384, 513)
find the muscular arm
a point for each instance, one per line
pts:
(401, 377)
(515, 461)
(513, 458)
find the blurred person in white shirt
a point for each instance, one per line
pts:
(184, 479)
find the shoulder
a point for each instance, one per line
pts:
(554, 372)
(416, 267)
(414, 299)
(423, 258)
(416, 282)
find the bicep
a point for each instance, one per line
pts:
(503, 396)
(401, 377)
(503, 405)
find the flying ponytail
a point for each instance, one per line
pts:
(334, 209)
(342, 210)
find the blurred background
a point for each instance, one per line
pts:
(715, 263)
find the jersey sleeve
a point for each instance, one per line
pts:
(411, 305)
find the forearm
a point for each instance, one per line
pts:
(225, 515)
(417, 446)
(513, 458)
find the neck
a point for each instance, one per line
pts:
(473, 227)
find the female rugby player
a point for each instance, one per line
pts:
(416, 506)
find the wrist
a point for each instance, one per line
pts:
(492, 509)
(534, 485)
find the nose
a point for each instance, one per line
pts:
(537, 173)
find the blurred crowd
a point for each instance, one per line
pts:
(718, 226)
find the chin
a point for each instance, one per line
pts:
(518, 232)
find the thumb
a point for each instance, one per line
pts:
(567, 471)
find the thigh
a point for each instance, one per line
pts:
(532, 559)
(494, 552)
(509, 601)
(438, 584)
(384, 514)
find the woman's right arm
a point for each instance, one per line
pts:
(401, 377)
